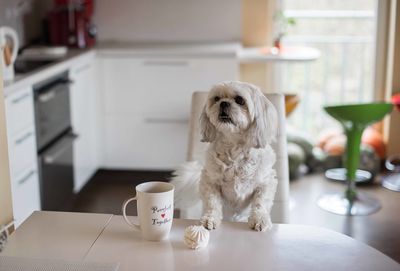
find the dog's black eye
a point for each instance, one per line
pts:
(239, 100)
(216, 98)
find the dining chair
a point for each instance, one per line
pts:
(196, 152)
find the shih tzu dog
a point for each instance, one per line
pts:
(237, 178)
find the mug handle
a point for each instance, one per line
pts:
(124, 205)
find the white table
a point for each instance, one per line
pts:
(232, 247)
(292, 54)
(56, 235)
(287, 53)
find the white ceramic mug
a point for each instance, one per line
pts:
(155, 208)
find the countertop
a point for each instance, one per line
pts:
(287, 53)
(72, 58)
(222, 49)
(149, 50)
(115, 49)
(233, 246)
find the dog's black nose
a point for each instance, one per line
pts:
(224, 105)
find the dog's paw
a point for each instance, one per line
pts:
(210, 222)
(260, 222)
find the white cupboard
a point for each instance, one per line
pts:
(146, 105)
(85, 121)
(22, 151)
(25, 194)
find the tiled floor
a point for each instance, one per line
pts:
(108, 189)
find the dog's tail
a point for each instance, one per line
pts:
(186, 181)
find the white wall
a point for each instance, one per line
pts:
(168, 20)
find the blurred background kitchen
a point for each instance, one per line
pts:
(98, 96)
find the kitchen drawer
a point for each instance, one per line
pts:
(160, 86)
(25, 194)
(19, 110)
(139, 143)
(22, 150)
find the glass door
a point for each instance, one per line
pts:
(344, 32)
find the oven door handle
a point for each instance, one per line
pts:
(50, 93)
(56, 151)
(47, 96)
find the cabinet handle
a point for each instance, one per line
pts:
(26, 177)
(22, 97)
(166, 120)
(166, 63)
(82, 68)
(23, 138)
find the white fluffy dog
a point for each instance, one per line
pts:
(237, 177)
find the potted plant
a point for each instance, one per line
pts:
(282, 23)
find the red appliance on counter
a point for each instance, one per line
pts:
(70, 23)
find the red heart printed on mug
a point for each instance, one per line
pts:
(162, 215)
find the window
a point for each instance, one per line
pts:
(344, 32)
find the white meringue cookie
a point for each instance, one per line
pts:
(196, 237)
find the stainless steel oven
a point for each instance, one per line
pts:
(55, 142)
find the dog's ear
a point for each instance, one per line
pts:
(208, 131)
(264, 127)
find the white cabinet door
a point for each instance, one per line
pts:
(22, 150)
(25, 194)
(19, 110)
(84, 111)
(159, 88)
(146, 104)
(142, 144)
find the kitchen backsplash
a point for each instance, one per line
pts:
(138, 20)
(168, 20)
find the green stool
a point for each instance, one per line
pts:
(354, 119)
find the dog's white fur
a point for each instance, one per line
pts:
(238, 173)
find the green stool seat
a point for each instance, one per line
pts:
(354, 119)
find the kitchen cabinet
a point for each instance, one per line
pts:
(129, 107)
(85, 122)
(137, 143)
(146, 105)
(22, 150)
(25, 194)
(19, 110)
(22, 153)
